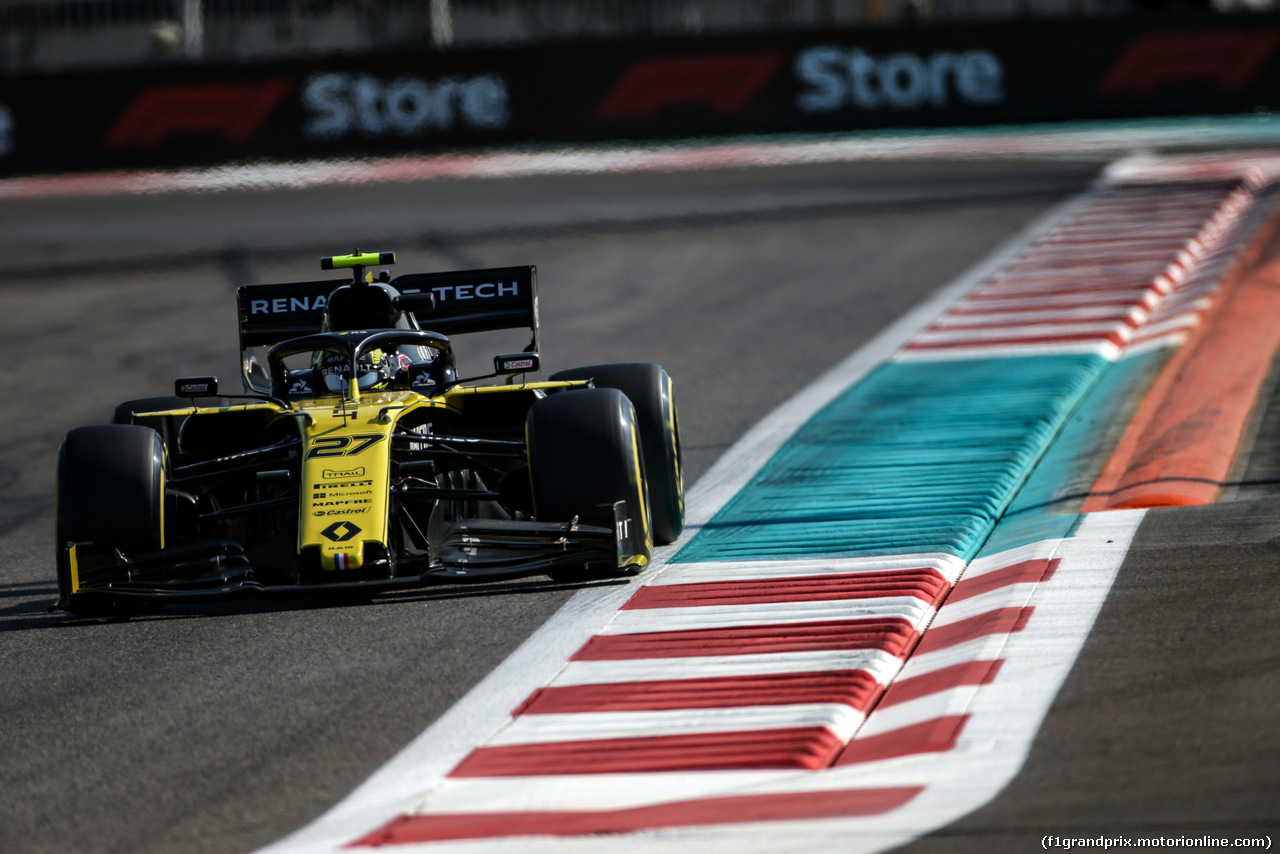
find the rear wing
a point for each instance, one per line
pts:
(465, 301)
(270, 314)
(477, 300)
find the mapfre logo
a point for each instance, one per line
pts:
(232, 111)
(1229, 59)
(726, 83)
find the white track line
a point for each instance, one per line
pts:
(910, 608)
(949, 566)
(1102, 138)
(586, 726)
(880, 665)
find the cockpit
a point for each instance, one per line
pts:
(351, 362)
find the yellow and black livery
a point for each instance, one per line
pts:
(356, 458)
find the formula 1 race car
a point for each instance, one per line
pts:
(357, 460)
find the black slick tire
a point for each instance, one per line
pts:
(584, 455)
(648, 387)
(110, 482)
(166, 425)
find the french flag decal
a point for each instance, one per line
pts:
(342, 560)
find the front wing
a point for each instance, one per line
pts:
(472, 550)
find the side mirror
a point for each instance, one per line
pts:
(196, 387)
(255, 376)
(517, 363)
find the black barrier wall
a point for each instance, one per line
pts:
(833, 80)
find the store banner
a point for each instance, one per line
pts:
(424, 100)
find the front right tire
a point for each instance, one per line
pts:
(110, 492)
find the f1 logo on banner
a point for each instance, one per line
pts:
(232, 111)
(1230, 59)
(727, 83)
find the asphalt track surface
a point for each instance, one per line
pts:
(222, 728)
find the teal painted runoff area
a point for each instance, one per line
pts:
(1045, 507)
(918, 457)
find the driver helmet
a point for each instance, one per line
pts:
(374, 369)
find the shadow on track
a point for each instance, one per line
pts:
(36, 599)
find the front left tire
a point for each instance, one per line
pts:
(649, 389)
(584, 455)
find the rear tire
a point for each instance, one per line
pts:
(111, 481)
(648, 387)
(584, 455)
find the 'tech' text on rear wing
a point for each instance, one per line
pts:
(477, 300)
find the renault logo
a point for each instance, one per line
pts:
(340, 532)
